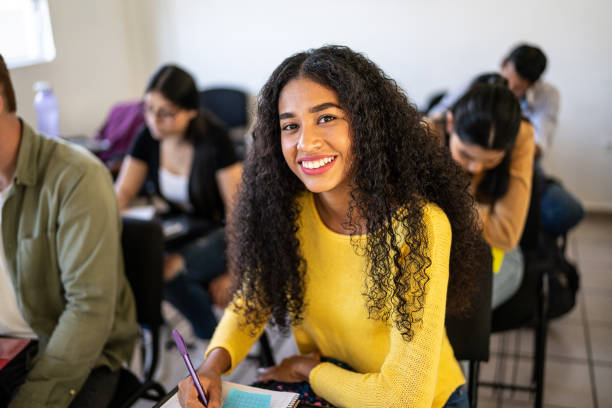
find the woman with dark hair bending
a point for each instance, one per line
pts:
(190, 161)
(487, 138)
(343, 231)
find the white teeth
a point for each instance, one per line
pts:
(317, 163)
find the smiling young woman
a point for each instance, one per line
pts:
(343, 231)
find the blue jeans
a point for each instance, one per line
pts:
(458, 399)
(560, 210)
(204, 261)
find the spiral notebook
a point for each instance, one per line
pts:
(242, 396)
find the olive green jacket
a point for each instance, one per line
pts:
(61, 234)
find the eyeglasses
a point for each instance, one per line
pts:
(161, 113)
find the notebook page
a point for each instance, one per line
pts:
(277, 399)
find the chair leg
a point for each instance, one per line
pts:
(473, 383)
(150, 351)
(266, 358)
(541, 331)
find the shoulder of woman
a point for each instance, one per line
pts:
(525, 140)
(526, 131)
(435, 219)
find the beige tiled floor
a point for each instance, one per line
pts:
(579, 348)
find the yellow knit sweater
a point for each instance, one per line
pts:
(391, 372)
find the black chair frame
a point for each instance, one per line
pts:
(142, 243)
(527, 308)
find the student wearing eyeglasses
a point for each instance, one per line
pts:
(189, 160)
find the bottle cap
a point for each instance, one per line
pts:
(42, 86)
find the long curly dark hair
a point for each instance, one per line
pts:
(401, 166)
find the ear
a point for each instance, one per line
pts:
(450, 121)
(1, 101)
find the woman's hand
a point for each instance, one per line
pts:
(209, 373)
(220, 290)
(292, 369)
(211, 383)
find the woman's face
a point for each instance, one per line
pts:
(474, 158)
(315, 135)
(164, 118)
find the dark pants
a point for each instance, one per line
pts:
(204, 261)
(560, 211)
(96, 392)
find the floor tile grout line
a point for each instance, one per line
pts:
(555, 357)
(600, 323)
(589, 350)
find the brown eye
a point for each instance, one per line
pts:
(326, 118)
(290, 126)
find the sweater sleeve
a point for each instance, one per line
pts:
(503, 223)
(233, 337)
(407, 377)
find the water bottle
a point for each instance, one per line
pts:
(47, 109)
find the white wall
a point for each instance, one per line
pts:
(107, 49)
(425, 46)
(92, 69)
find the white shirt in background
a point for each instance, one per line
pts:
(12, 323)
(175, 188)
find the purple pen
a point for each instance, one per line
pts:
(178, 339)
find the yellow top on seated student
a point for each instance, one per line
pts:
(343, 231)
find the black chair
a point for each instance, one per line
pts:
(470, 335)
(527, 307)
(143, 248)
(228, 104)
(231, 107)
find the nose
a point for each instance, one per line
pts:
(309, 139)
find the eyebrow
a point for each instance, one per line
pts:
(317, 108)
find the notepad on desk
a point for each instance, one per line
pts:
(242, 396)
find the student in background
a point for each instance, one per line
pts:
(61, 272)
(190, 160)
(539, 100)
(343, 231)
(523, 68)
(486, 136)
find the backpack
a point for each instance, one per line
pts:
(563, 277)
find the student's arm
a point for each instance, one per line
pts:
(236, 339)
(228, 180)
(88, 252)
(229, 345)
(130, 180)
(408, 376)
(209, 374)
(503, 222)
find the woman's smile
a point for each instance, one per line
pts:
(316, 164)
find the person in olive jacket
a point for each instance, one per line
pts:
(62, 283)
